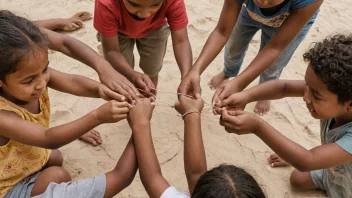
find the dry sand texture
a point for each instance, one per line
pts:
(288, 115)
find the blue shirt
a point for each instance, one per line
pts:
(277, 19)
(337, 180)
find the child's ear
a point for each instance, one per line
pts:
(349, 105)
(1, 83)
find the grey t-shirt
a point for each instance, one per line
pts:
(338, 180)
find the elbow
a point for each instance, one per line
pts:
(304, 165)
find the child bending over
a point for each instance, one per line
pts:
(27, 163)
(327, 91)
(225, 181)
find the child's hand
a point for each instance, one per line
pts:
(107, 94)
(240, 122)
(112, 111)
(186, 104)
(141, 111)
(234, 102)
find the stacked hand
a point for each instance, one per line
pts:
(112, 111)
(142, 111)
(190, 84)
(240, 122)
(142, 81)
(185, 105)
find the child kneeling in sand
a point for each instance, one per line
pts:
(327, 91)
(225, 181)
(27, 165)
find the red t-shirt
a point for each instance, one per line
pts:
(111, 17)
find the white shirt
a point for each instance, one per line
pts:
(172, 192)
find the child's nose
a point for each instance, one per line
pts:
(144, 14)
(41, 84)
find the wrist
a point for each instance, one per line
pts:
(140, 123)
(102, 67)
(95, 115)
(191, 115)
(259, 123)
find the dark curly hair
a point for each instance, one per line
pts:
(227, 181)
(331, 60)
(18, 38)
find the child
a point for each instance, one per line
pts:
(25, 139)
(225, 181)
(122, 24)
(328, 95)
(283, 24)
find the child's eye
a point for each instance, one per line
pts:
(315, 97)
(28, 82)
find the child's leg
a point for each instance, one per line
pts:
(70, 24)
(304, 180)
(274, 71)
(55, 159)
(152, 50)
(107, 185)
(52, 174)
(236, 47)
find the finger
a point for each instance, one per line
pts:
(122, 91)
(196, 89)
(74, 26)
(122, 104)
(132, 89)
(78, 22)
(144, 86)
(115, 96)
(216, 95)
(121, 116)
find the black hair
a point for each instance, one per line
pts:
(227, 181)
(331, 60)
(18, 37)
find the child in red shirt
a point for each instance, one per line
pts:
(146, 23)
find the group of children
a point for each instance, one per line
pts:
(30, 164)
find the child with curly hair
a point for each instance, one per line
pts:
(327, 91)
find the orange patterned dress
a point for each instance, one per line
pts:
(18, 161)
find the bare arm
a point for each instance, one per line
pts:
(30, 133)
(124, 172)
(80, 86)
(271, 90)
(324, 156)
(220, 34)
(195, 161)
(149, 168)
(182, 50)
(276, 46)
(52, 24)
(112, 54)
(81, 52)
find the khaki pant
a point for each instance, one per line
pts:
(151, 49)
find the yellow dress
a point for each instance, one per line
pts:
(18, 161)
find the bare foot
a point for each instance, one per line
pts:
(275, 161)
(262, 107)
(92, 137)
(217, 80)
(76, 21)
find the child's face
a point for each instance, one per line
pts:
(322, 103)
(30, 80)
(143, 8)
(267, 3)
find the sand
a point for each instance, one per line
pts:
(289, 116)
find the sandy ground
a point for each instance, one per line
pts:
(288, 115)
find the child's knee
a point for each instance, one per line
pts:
(301, 180)
(55, 159)
(58, 174)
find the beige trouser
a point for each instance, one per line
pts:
(151, 49)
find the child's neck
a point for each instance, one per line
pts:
(341, 120)
(13, 99)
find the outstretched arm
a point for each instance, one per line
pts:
(182, 50)
(81, 52)
(149, 167)
(27, 132)
(124, 172)
(195, 161)
(81, 86)
(271, 90)
(320, 157)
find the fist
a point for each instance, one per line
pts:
(112, 111)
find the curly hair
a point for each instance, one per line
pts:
(331, 60)
(18, 38)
